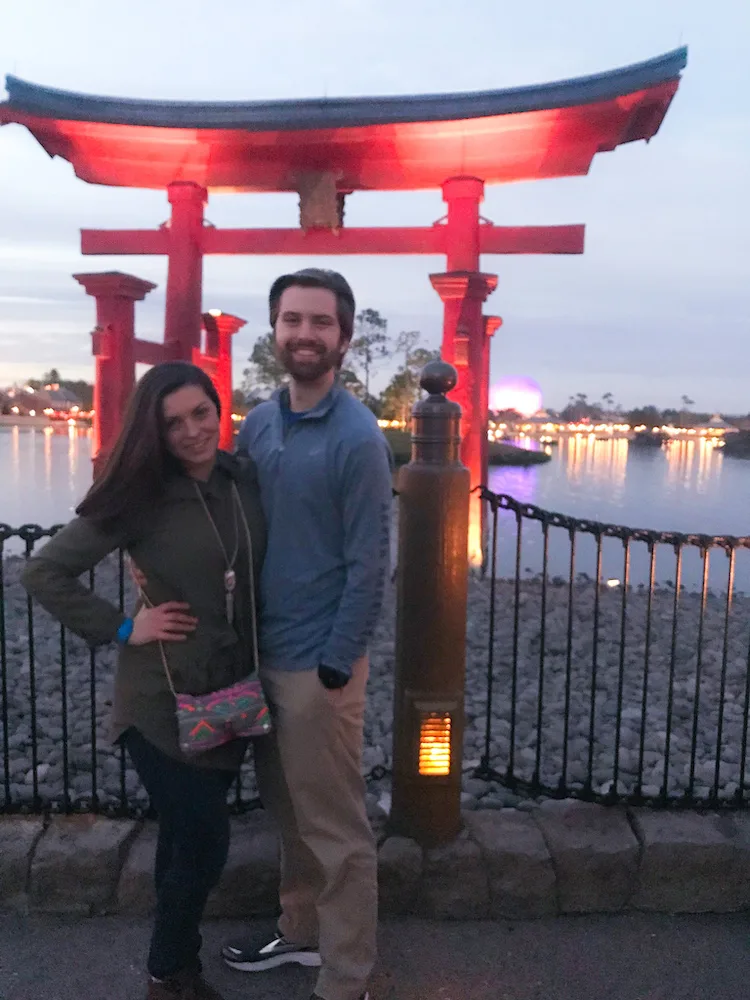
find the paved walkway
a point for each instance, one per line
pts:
(631, 957)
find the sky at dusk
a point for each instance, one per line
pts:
(658, 306)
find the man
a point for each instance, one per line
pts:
(325, 477)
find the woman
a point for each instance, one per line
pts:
(189, 515)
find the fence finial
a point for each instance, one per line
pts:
(438, 378)
(436, 420)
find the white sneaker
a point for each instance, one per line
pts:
(245, 956)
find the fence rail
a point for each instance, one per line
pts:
(606, 663)
(614, 688)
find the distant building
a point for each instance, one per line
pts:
(60, 398)
(717, 423)
(53, 401)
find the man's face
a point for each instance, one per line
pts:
(307, 333)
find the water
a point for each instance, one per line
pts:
(44, 472)
(688, 486)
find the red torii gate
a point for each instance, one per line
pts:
(463, 288)
(326, 150)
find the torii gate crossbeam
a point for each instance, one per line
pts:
(362, 241)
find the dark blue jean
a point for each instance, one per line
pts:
(192, 848)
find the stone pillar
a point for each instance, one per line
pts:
(182, 323)
(113, 346)
(431, 620)
(220, 327)
(463, 293)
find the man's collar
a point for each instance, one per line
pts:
(321, 408)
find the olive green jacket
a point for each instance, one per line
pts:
(177, 550)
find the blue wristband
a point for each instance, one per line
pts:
(125, 631)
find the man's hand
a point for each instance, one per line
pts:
(168, 622)
(139, 578)
(331, 678)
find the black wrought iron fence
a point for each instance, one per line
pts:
(604, 662)
(617, 661)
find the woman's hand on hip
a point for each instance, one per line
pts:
(137, 575)
(168, 622)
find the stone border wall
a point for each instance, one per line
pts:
(561, 857)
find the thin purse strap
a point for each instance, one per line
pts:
(148, 603)
(251, 573)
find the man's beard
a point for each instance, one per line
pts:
(312, 369)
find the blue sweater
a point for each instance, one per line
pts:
(326, 490)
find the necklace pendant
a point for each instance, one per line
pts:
(230, 582)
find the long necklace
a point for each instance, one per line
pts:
(230, 577)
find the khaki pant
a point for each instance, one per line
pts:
(309, 779)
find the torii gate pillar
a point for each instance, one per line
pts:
(464, 338)
(463, 289)
(491, 325)
(182, 321)
(217, 362)
(114, 347)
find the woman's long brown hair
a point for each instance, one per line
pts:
(139, 466)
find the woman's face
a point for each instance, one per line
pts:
(191, 426)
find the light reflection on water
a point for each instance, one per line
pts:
(688, 486)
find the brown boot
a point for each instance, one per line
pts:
(203, 990)
(174, 988)
(178, 987)
(187, 985)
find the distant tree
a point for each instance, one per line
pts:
(375, 404)
(406, 343)
(579, 408)
(265, 373)
(402, 392)
(84, 391)
(370, 344)
(686, 417)
(399, 396)
(52, 377)
(351, 383)
(508, 416)
(651, 416)
(239, 402)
